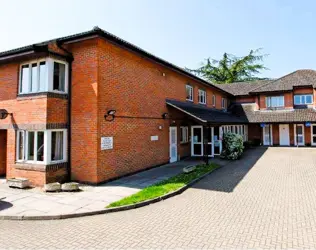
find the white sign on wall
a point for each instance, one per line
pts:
(154, 138)
(106, 143)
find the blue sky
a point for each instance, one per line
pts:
(182, 32)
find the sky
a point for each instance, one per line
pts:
(183, 32)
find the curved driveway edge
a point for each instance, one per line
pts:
(107, 210)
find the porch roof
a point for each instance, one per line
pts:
(205, 114)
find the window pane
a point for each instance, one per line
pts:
(30, 154)
(299, 130)
(43, 76)
(34, 78)
(57, 146)
(281, 101)
(21, 145)
(25, 79)
(40, 146)
(59, 76)
(314, 129)
(303, 99)
(297, 99)
(309, 99)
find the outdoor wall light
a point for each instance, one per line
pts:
(165, 115)
(4, 113)
(111, 114)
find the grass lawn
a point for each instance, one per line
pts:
(164, 187)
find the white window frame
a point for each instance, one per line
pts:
(241, 130)
(202, 96)
(301, 97)
(279, 105)
(47, 146)
(224, 103)
(313, 135)
(190, 88)
(184, 134)
(48, 87)
(214, 100)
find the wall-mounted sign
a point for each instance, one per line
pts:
(308, 124)
(154, 138)
(262, 125)
(106, 143)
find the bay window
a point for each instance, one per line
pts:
(274, 101)
(45, 147)
(46, 75)
(303, 99)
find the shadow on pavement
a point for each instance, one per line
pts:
(229, 176)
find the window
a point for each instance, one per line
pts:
(223, 103)
(43, 75)
(274, 101)
(57, 146)
(213, 100)
(303, 99)
(202, 96)
(32, 146)
(184, 134)
(237, 129)
(59, 77)
(189, 91)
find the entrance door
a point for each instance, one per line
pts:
(299, 135)
(197, 141)
(173, 144)
(313, 135)
(284, 135)
(267, 135)
(217, 140)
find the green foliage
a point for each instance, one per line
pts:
(232, 146)
(232, 69)
(164, 187)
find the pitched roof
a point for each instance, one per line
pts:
(205, 114)
(242, 88)
(299, 78)
(273, 116)
(96, 31)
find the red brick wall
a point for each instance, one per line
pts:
(84, 111)
(3, 152)
(246, 99)
(275, 134)
(135, 86)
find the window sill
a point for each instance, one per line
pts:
(184, 143)
(32, 166)
(47, 94)
(189, 100)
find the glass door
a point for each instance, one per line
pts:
(313, 136)
(299, 135)
(197, 141)
(217, 140)
(267, 135)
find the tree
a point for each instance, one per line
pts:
(232, 69)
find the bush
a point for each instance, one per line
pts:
(232, 146)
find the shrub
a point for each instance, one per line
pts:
(232, 146)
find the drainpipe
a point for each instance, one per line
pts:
(70, 60)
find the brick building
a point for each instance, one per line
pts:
(92, 107)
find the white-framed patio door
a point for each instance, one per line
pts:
(267, 135)
(173, 144)
(313, 134)
(197, 140)
(299, 139)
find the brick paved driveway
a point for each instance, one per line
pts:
(266, 200)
